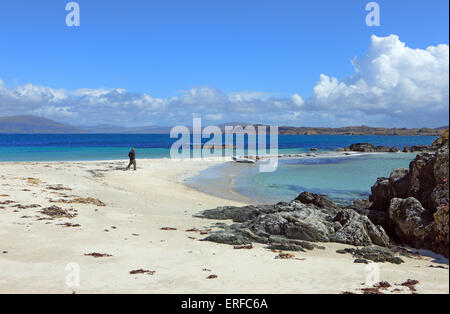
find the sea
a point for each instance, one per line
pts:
(340, 177)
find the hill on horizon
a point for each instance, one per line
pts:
(29, 124)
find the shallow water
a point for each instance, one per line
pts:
(342, 179)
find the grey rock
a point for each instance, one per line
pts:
(227, 238)
(310, 218)
(409, 221)
(373, 253)
(417, 148)
(370, 148)
(416, 199)
(381, 194)
(361, 147)
(320, 201)
(379, 218)
(361, 261)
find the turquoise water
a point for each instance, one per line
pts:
(73, 147)
(64, 153)
(342, 179)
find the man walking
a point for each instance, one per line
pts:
(132, 156)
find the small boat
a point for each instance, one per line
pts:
(244, 160)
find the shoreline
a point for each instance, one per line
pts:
(305, 154)
(137, 205)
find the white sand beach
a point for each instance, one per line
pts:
(35, 249)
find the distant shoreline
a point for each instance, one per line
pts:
(29, 124)
(282, 133)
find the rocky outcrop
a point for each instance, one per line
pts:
(440, 242)
(385, 189)
(426, 180)
(417, 148)
(310, 218)
(412, 204)
(410, 222)
(372, 253)
(370, 148)
(320, 201)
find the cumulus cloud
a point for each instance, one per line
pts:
(392, 85)
(391, 80)
(298, 100)
(98, 106)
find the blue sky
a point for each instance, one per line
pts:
(210, 52)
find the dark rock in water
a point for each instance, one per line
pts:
(370, 148)
(373, 253)
(416, 200)
(417, 148)
(310, 217)
(394, 149)
(361, 147)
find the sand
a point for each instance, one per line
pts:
(43, 256)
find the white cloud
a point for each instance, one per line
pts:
(297, 100)
(392, 85)
(390, 78)
(60, 112)
(214, 117)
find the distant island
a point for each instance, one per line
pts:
(360, 130)
(29, 124)
(32, 124)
